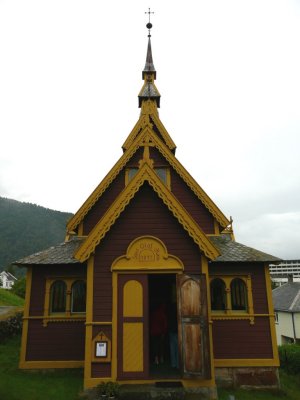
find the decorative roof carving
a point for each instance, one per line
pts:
(145, 173)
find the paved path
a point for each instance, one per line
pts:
(6, 309)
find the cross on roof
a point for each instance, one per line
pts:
(149, 25)
(149, 12)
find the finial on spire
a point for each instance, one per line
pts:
(149, 25)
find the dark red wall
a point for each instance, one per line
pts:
(145, 215)
(239, 339)
(59, 341)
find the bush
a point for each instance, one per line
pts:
(289, 355)
(11, 326)
(19, 287)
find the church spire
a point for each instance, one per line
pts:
(149, 90)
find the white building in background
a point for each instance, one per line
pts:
(284, 271)
(7, 280)
(286, 301)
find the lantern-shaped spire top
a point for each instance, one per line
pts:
(149, 90)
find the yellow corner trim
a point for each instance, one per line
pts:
(145, 173)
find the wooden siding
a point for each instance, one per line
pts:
(158, 158)
(59, 341)
(103, 203)
(257, 272)
(101, 370)
(238, 339)
(145, 215)
(39, 275)
(134, 161)
(191, 203)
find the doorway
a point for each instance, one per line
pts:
(163, 326)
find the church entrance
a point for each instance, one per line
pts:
(163, 326)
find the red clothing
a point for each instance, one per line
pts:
(158, 321)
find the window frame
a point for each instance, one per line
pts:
(229, 313)
(160, 167)
(50, 316)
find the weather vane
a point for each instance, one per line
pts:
(149, 25)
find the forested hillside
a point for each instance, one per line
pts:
(27, 228)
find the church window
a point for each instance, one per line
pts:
(238, 295)
(231, 295)
(218, 294)
(58, 297)
(162, 174)
(130, 173)
(78, 297)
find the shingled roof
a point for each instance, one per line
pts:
(60, 254)
(232, 251)
(287, 297)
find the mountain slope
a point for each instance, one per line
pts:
(27, 228)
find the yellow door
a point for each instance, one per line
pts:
(132, 326)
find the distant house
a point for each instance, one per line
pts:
(286, 300)
(7, 280)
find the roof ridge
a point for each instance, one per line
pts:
(296, 298)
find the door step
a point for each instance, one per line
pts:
(163, 391)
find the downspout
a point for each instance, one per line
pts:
(294, 330)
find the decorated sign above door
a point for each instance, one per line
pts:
(147, 253)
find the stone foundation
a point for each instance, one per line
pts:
(247, 377)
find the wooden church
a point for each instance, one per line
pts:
(149, 238)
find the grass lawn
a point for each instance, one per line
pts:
(9, 299)
(16, 384)
(65, 384)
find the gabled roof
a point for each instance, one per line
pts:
(8, 275)
(232, 251)
(146, 137)
(149, 112)
(59, 254)
(145, 174)
(287, 297)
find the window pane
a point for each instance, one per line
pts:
(162, 173)
(238, 294)
(131, 173)
(217, 294)
(58, 297)
(78, 296)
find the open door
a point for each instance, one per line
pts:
(193, 335)
(133, 327)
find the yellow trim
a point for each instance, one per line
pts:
(147, 253)
(80, 229)
(229, 313)
(114, 326)
(149, 109)
(204, 267)
(216, 227)
(99, 323)
(67, 315)
(89, 317)
(145, 173)
(272, 315)
(26, 315)
(50, 364)
(246, 362)
(145, 138)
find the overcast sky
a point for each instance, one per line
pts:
(229, 76)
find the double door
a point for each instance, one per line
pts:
(134, 300)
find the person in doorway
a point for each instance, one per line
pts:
(173, 335)
(158, 331)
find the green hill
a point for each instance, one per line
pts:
(7, 298)
(26, 228)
